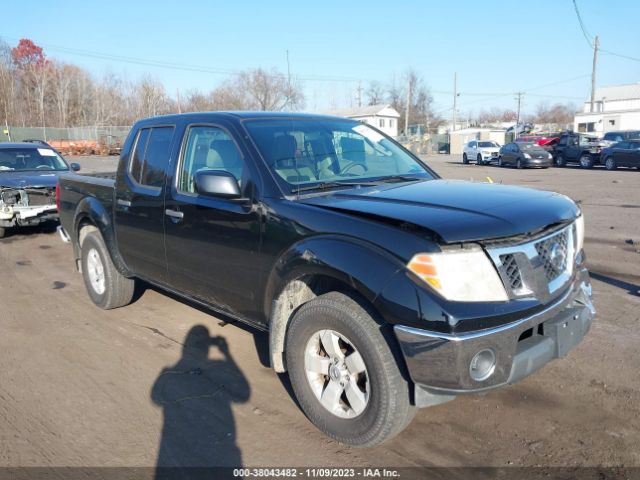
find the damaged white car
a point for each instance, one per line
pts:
(28, 177)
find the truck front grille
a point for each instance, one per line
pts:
(511, 271)
(537, 267)
(553, 252)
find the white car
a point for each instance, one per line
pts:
(480, 151)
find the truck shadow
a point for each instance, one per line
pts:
(631, 288)
(15, 234)
(196, 395)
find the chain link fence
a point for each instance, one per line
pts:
(94, 133)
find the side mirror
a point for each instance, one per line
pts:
(217, 183)
(75, 167)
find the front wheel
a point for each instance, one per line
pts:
(345, 372)
(519, 164)
(3, 232)
(610, 164)
(107, 287)
(465, 159)
(560, 161)
(479, 160)
(500, 164)
(586, 161)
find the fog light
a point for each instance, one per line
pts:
(482, 365)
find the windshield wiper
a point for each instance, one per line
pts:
(327, 185)
(398, 178)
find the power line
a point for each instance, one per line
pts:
(587, 37)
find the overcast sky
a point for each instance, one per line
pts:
(496, 47)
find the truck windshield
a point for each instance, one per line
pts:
(22, 159)
(308, 152)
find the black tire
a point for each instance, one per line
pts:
(3, 232)
(479, 160)
(560, 161)
(586, 161)
(610, 163)
(500, 164)
(465, 160)
(388, 410)
(118, 289)
(519, 164)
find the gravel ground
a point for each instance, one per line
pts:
(85, 387)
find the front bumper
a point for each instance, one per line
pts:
(439, 364)
(538, 162)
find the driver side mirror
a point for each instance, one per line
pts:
(75, 167)
(217, 183)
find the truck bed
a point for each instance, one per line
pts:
(76, 189)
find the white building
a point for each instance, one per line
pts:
(383, 117)
(615, 108)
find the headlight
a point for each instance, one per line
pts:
(526, 155)
(549, 156)
(460, 275)
(579, 233)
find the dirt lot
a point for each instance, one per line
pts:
(84, 387)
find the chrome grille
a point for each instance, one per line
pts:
(553, 252)
(538, 267)
(511, 271)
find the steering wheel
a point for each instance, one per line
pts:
(351, 165)
(41, 167)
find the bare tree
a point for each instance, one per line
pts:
(375, 93)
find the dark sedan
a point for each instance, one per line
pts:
(28, 177)
(524, 154)
(622, 154)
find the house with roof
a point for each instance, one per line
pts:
(381, 116)
(616, 107)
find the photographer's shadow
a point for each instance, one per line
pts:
(196, 396)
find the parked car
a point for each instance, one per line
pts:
(28, 176)
(382, 286)
(610, 138)
(577, 148)
(622, 154)
(480, 151)
(524, 154)
(545, 141)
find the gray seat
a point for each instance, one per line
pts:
(286, 163)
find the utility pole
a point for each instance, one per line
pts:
(178, 98)
(596, 44)
(359, 94)
(519, 98)
(455, 99)
(406, 115)
(288, 78)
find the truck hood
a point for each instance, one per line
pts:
(45, 178)
(457, 211)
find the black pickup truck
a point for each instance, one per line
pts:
(382, 286)
(577, 148)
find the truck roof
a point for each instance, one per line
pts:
(239, 114)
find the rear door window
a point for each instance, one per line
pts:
(151, 156)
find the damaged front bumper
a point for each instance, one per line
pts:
(442, 366)
(27, 207)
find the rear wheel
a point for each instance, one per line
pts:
(107, 287)
(479, 160)
(586, 161)
(465, 159)
(500, 164)
(560, 161)
(519, 163)
(610, 163)
(344, 370)
(3, 232)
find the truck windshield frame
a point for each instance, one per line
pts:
(301, 153)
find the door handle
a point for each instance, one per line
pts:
(174, 214)
(124, 203)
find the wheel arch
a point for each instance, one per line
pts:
(91, 215)
(317, 266)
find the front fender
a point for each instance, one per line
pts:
(91, 210)
(363, 266)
